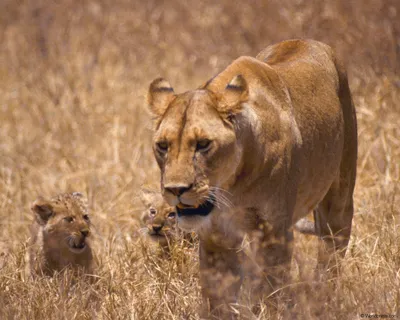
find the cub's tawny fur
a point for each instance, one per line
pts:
(59, 235)
(159, 220)
(252, 151)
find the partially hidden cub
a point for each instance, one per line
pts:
(158, 220)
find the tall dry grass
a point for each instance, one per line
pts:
(73, 75)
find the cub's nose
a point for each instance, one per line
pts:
(85, 232)
(178, 190)
(157, 228)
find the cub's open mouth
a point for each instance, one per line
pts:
(157, 235)
(77, 247)
(202, 210)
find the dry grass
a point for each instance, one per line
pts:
(72, 79)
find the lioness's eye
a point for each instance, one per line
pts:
(171, 215)
(162, 146)
(203, 145)
(153, 212)
(68, 219)
(86, 217)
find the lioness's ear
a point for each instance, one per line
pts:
(235, 93)
(159, 96)
(43, 210)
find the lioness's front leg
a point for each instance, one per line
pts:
(220, 279)
(268, 261)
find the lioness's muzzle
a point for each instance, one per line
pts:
(202, 210)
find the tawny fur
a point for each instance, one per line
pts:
(59, 236)
(280, 139)
(159, 220)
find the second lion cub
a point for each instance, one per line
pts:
(158, 219)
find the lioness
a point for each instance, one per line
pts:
(251, 152)
(59, 235)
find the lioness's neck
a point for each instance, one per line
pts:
(247, 124)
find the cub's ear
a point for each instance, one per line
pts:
(42, 209)
(235, 93)
(81, 199)
(147, 196)
(78, 195)
(159, 96)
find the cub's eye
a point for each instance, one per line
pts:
(69, 219)
(153, 212)
(86, 217)
(203, 145)
(162, 146)
(171, 215)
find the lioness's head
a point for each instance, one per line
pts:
(195, 145)
(158, 217)
(64, 221)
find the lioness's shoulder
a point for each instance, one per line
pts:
(292, 50)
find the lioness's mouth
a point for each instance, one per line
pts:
(186, 206)
(201, 210)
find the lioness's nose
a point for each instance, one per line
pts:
(85, 232)
(178, 190)
(157, 227)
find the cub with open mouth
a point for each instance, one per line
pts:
(59, 235)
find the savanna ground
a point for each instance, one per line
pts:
(73, 76)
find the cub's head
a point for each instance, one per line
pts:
(158, 217)
(195, 145)
(64, 221)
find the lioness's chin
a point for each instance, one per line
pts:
(192, 223)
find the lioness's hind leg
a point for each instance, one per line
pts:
(333, 217)
(334, 214)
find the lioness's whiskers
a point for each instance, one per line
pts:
(220, 201)
(220, 189)
(225, 200)
(221, 198)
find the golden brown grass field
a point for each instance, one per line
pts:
(73, 77)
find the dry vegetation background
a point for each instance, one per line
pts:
(73, 74)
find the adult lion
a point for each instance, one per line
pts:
(251, 152)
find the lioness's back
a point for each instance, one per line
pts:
(322, 107)
(292, 50)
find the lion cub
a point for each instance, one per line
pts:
(59, 235)
(158, 218)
